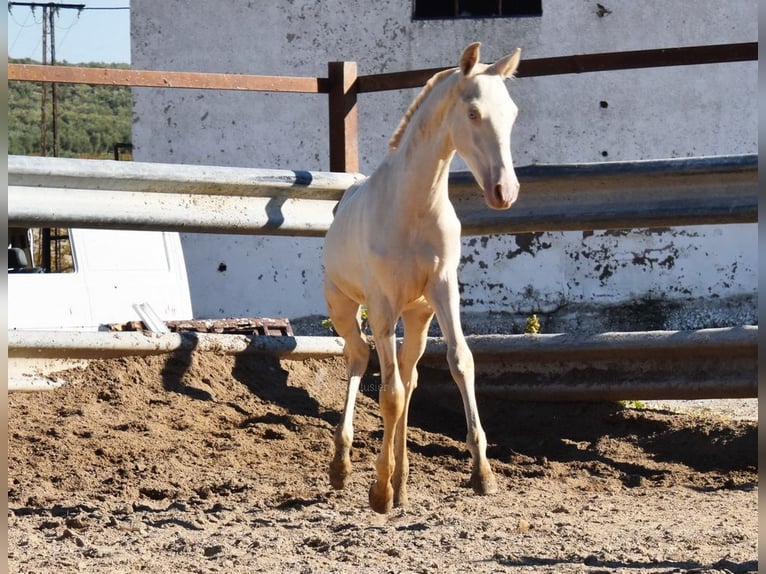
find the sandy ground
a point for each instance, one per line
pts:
(208, 463)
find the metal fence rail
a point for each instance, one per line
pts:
(207, 199)
(709, 363)
(167, 197)
(618, 195)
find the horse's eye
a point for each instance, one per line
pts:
(474, 114)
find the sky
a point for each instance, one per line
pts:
(90, 35)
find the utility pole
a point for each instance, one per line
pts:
(54, 99)
(50, 11)
(44, 88)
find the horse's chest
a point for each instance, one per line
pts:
(407, 267)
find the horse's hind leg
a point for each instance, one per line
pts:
(416, 322)
(383, 323)
(343, 312)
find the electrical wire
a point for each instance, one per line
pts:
(24, 25)
(21, 27)
(68, 29)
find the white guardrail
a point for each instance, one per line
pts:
(206, 199)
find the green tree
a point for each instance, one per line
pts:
(91, 118)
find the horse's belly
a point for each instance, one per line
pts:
(364, 274)
(343, 262)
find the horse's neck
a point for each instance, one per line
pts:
(426, 150)
(424, 172)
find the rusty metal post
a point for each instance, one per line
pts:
(344, 143)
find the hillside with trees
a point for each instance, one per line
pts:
(92, 119)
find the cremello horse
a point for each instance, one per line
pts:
(394, 246)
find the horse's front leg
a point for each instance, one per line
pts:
(445, 298)
(392, 398)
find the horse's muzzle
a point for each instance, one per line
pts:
(502, 195)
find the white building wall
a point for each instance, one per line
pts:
(653, 113)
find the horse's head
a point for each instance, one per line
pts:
(481, 122)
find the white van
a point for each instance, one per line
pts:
(84, 279)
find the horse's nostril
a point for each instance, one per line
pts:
(499, 192)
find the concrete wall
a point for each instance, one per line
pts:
(639, 114)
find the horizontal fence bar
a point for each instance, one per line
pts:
(659, 365)
(574, 64)
(93, 174)
(108, 344)
(166, 79)
(106, 194)
(727, 342)
(708, 363)
(192, 213)
(635, 59)
(578, 64)
(617, 195)
(201, 199)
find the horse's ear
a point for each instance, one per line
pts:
(469, 58)
(506, 66)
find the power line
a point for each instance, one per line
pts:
(73, 23)
(56, 6)
(45, 5)
(24, 25)
(68, 29)
(21, 28)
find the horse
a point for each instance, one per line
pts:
(394, 247)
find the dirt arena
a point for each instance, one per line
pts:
(209, 463)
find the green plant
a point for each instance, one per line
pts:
(632, 404)
(327, 323)
(532, 325)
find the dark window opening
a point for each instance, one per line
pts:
(451, 9)
(39, 250)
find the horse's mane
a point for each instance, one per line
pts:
(396, 139)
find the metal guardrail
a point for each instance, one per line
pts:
(618, 195)
(168, 197)
(709, 363)
(700, 364)
(212, 199)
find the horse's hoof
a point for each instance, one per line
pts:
(400, 491)
(484, 483)
(340, 470)
(400, 499)
(381, 502)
